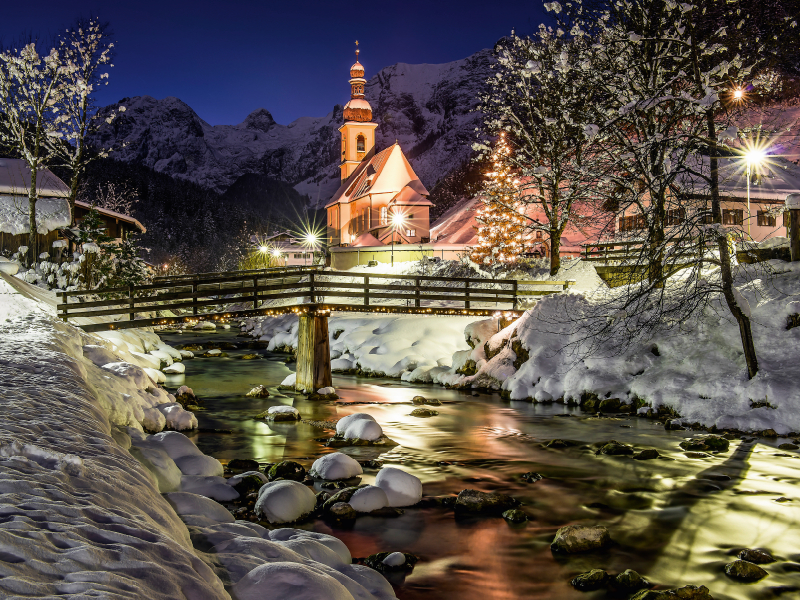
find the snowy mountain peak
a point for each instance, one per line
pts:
(428, 109)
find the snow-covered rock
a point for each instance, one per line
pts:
(368, 498)
(237, 479)
(177, 417)
(290, 380)
(175, 369)
(402, 489)
(395, 559)
(156, 375)
(359, 425)
(283, 413)
(284, 501)
(205, 326)
(335, 466)
(165, 360)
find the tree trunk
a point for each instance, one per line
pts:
(33, 252)
(655, 253)
(555, 251)
(725, 258)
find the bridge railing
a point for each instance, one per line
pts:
(245, 294)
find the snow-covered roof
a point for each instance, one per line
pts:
(387, 172)
(15, 179)
(408, 197)
(112, 214)
(366, 239)
(776, 179)
(457, 225)
(51, 214)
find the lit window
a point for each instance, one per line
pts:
(411, 232)
(361, 144)
(764, 219)
(384, 215)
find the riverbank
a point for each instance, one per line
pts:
(694, 374)
(93, 504)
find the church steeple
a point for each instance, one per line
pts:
(358, 131)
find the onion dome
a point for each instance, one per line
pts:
(358, 109)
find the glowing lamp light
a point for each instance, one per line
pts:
(276, 252)
(738, 94)
(755, 156)
(263, 249)
(398, 219)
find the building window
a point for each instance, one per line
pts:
(632, 223)
(361, 143)
(411, 232)
(384, 215)
(538, 235)
(675, 216)
(733, 217)
(764, 219)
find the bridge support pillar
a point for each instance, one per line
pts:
(313, 352)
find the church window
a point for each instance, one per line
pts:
(384, 215)
(360, 144)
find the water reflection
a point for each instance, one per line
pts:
(676, 520)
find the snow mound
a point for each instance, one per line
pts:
(203, 466)
(335, 466)
(290, 380)
(283, 409)
(176, 417)
(199, 508)
(205, 326)
(213, 487)
(402, 489)
(369, 498)
(175, 369)
(359, 425)
(284, 501)
(283, 580)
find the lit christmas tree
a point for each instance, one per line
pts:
(500, 224)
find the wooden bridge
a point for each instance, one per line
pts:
(309, 292)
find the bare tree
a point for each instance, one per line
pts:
(31, 88)
(88, 50)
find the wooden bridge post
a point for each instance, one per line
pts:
(131, 303)
(366, 290)
(313, 352)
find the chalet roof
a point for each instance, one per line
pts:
(366, 239)
(387, 172)
(112, 214)
(15, 179)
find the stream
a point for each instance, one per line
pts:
(675, 520)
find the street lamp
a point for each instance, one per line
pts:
(738, 95)
(311, 239)
(276, 252)
(398, 220)
(753, 157)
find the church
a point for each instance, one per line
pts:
(381, 200)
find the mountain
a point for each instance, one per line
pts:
(429, 109)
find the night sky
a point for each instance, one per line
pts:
(226, 59)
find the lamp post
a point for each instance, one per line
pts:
(398, 220)
(311, 240)
(277, 254)
(753, 157)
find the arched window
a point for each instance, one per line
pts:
(361, 143)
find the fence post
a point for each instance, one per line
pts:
(132, 316)
(255, 292)
(311, 294)
(466, 294)
(194, 296)
(514, 284)
(64, 307)
(366, 290)
(416, 292)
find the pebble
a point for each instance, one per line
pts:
(744, 570)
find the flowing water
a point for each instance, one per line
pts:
(675, 520)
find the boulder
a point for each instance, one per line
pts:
(423, 412)
(531, 477)
(687, 592)
(591, 580)
(629, 581)
(335, 466)
(610, 405)
(745, 571)
(788, 446)
(755, 556)
(401, 488)
(246, 483)
(515, 515)
(646, 454)
(580, 538)
(385, 562)
(284, 501)
(709, 443)
(259, 391)
(559, 443)
(243, 464)
(615, 448)
(280, 413)
(474, 502)
(287, 469)
(342, 511)
(249, 356)
(361, 426)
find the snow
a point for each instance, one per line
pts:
(359, 426)
(283, 409)
(369, 498)
(202, 465)
(205, 326)
(395, 559)
(290, 380)
(278, 581)
(411, 347)
(237, 479)
(335, 466)
(402, 489)
(175, 369)
(285, 501)
(51, 213)
(326, 391)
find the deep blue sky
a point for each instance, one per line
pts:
(226, 59)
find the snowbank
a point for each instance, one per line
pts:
(411, 347)
(285, 501)
(698, 370)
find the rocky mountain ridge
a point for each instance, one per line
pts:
(428, 109)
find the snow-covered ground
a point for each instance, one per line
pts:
(81, 483)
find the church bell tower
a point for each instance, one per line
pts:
(358, 130)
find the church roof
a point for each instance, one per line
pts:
(387, 172)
